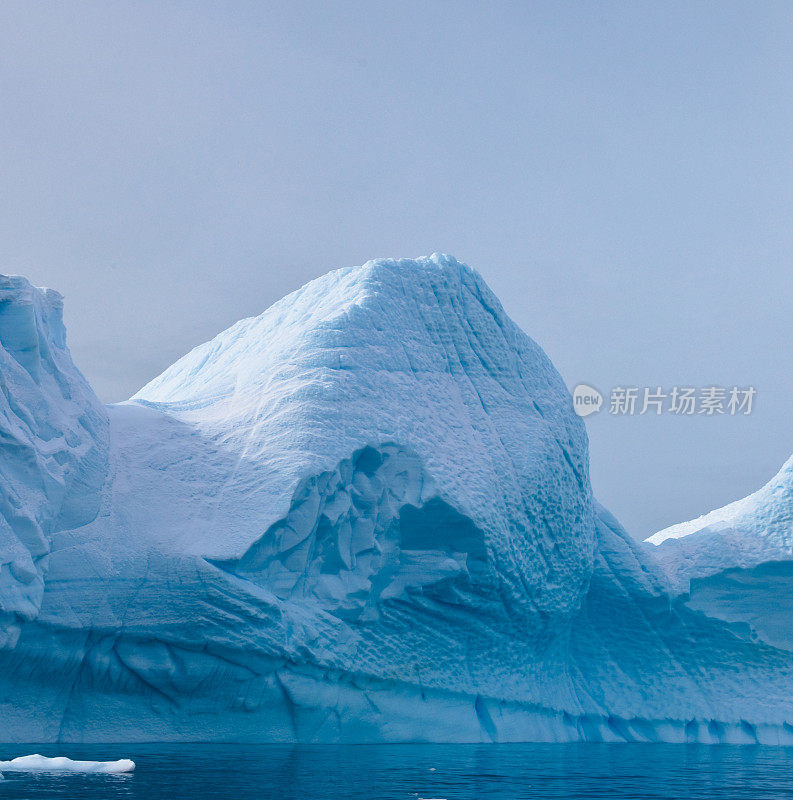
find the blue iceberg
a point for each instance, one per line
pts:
(362, 516)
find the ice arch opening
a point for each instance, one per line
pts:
(372, 529)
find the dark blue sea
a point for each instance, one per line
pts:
(407, 772)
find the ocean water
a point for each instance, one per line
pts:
(407, 772)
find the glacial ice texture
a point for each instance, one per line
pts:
(364, 515)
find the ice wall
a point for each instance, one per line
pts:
(53, 446)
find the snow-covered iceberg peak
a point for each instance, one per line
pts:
(743, 534)
(735, 564)
(53, 435)
(416, 362)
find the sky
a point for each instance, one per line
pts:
(621, 174)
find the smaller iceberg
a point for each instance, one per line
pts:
(37, 763)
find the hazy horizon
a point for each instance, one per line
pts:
(620, 174)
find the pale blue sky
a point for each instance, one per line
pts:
(620, 173)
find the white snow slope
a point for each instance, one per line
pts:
(364, 515)
(736, 563)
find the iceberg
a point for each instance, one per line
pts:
(743, 534)
(362, 516)
(37, 763)
(736, 563)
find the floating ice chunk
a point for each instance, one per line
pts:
(37, 763)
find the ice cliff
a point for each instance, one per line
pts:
(364, 515)
(53, 439)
